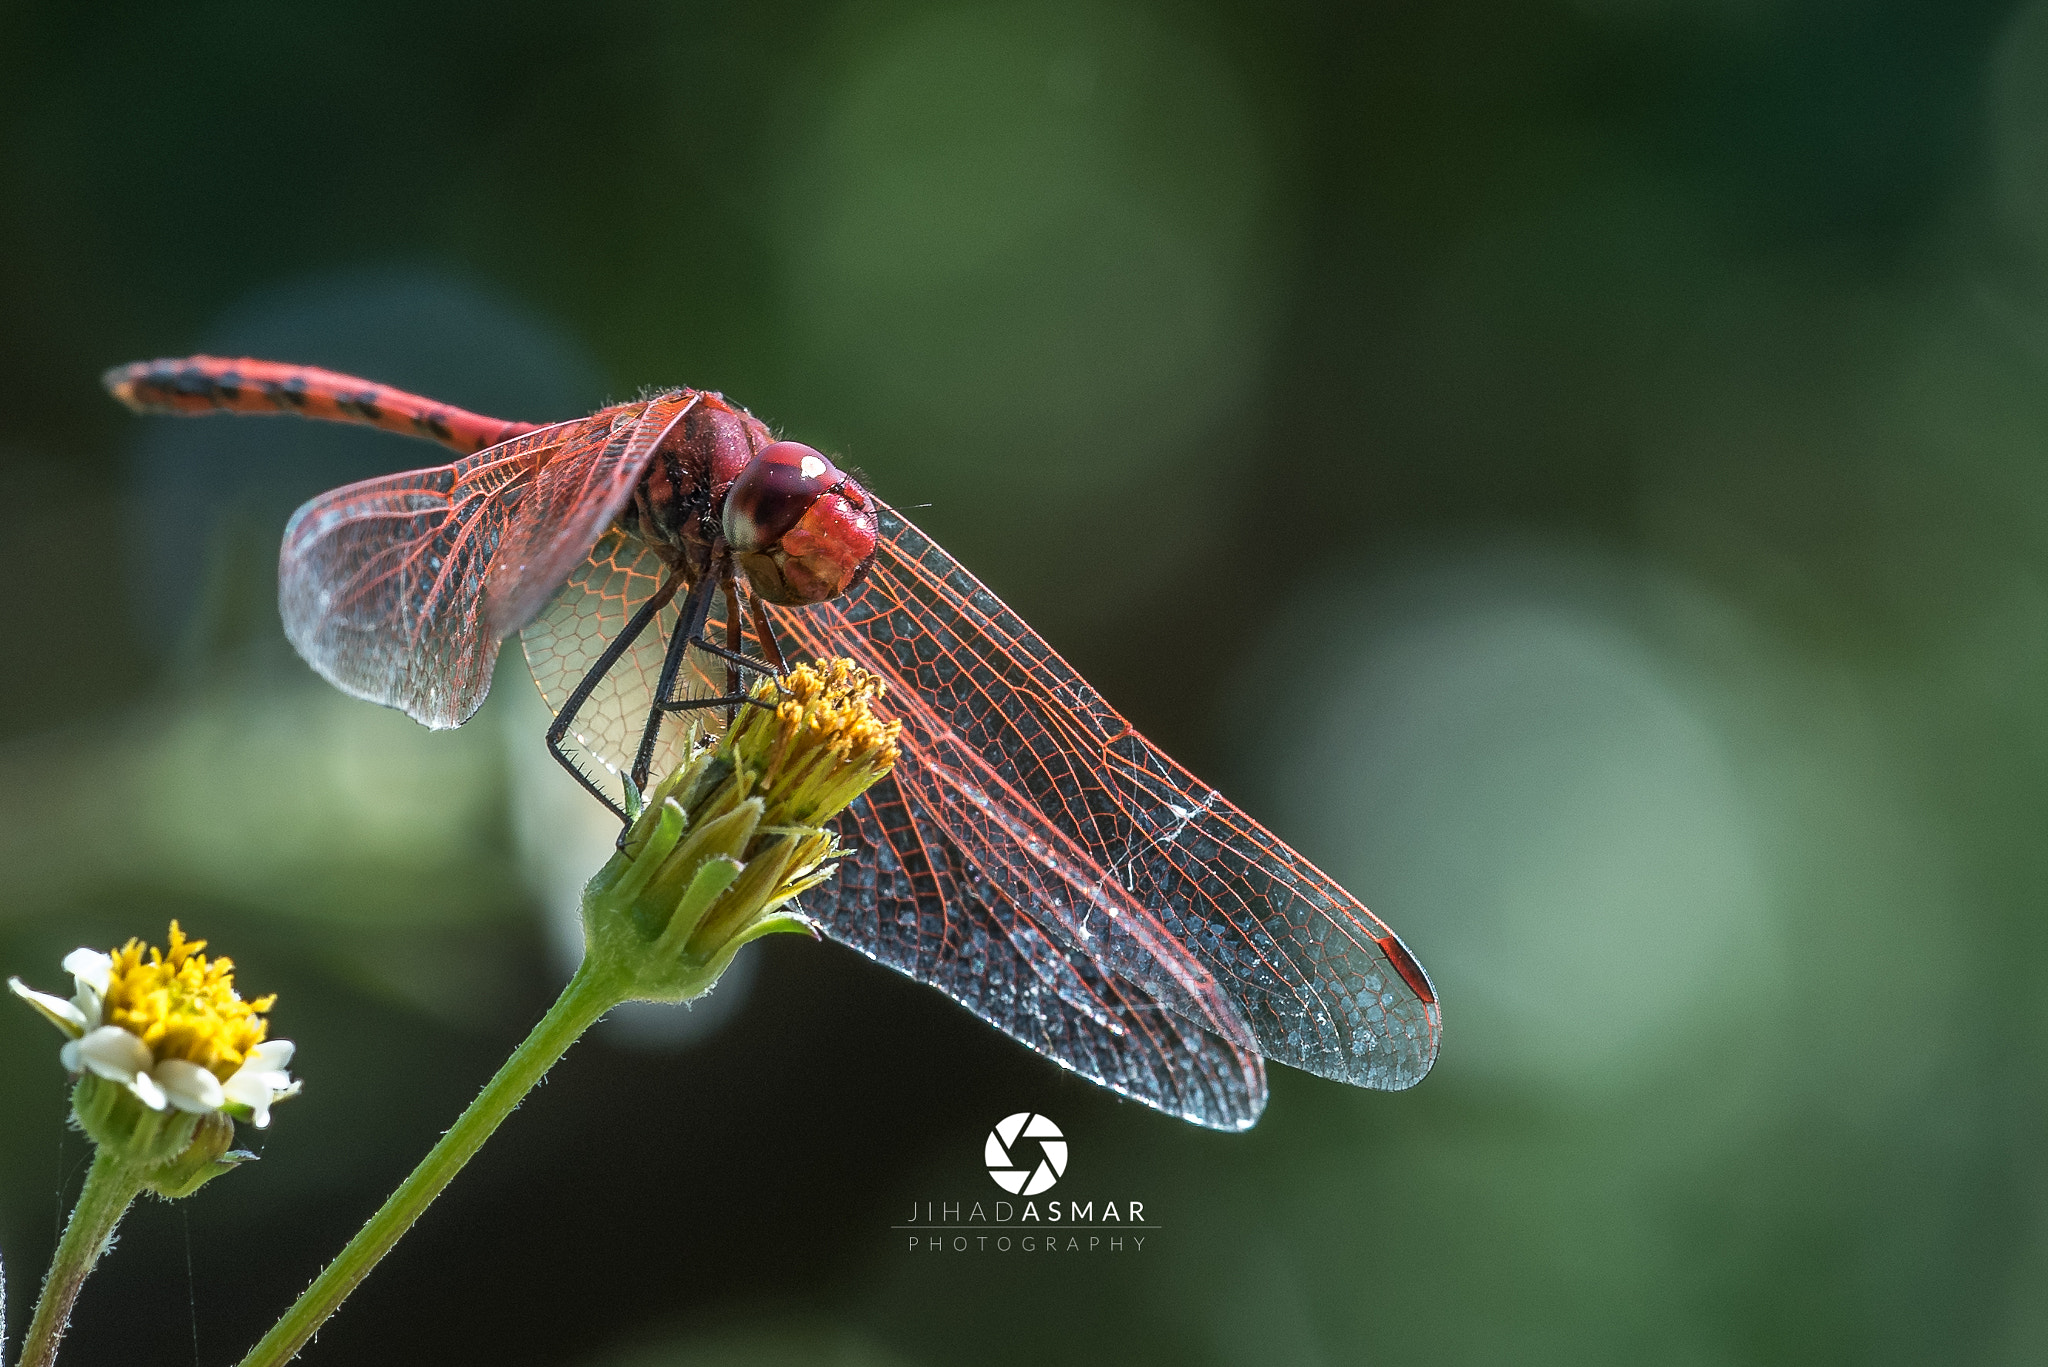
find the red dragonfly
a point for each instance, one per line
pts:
(1031, 856)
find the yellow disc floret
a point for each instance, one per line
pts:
(184, 1006)
(824, 744)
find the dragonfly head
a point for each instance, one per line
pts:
(800, 528)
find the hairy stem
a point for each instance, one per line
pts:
(588, 996)
(111, 1185)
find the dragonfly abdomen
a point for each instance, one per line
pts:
(213, 384)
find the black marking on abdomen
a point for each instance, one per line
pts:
(363, 403)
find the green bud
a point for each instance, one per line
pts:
(722, 847)
(205, 1158)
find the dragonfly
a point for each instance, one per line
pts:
(1031, 855)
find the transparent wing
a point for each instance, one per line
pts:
(381, 583)
(910, 896)
(568, 505)
(563, 643)
(1321, 982)
(399, 589)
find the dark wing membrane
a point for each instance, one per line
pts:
(908, 896)
(381, 583)
(1317, 976)
(568, 505)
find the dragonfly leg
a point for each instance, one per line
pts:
(748, 662)
(764, 631)
(734, 625)
(730, 652)
(630, 633)
(695, 610)
(730, 700)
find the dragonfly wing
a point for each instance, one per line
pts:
(381, 584)
(619, 575)
(961, 882)
(909, 897)
(1323, 984)
(568, 505)
(563, 643)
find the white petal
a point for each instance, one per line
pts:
(91, 968)
(249, 1086)
(254, 1091)
(271, 1056)
(68, 1056)
(144, 1086)
(257, 1086)
(87, 1003)
(62, 1014)
(188, 1086)
(116, 1055)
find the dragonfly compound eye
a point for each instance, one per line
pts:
(773, 492)
(801, 529)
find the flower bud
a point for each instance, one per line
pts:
(724, 845)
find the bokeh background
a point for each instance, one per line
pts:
(1573, 467)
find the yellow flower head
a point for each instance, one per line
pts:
(183, 1005)
(167, 1026)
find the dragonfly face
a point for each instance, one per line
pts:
(800, 529)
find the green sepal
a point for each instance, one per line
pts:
(204, 1159)
(114, 1118)
(782, 923)
(725, 837)
(748, 898)
(641, 864)
(714, 876)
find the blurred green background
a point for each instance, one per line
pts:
(1573, 467)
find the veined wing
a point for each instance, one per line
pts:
(957, 878)
(620, 574)
(1322, 983)
(910, 895)
(568, 507)
(399, 589)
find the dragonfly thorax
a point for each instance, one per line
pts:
(800, 529)
(675, 506)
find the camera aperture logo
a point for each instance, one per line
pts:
(1026, 1154)
(1013, 1177)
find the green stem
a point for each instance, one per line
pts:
(588, 996)
(110, 1186)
